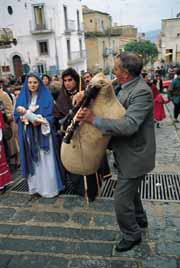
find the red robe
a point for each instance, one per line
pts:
(159, 112)
(5, 175)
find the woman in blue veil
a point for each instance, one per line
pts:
(38, 147)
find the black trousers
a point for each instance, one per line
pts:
(176, 110)
(78, 185)
(128, 207)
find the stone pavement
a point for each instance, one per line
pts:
(65, 232)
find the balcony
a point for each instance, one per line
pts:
(76, 56)
(39, 29)
(6, 38)
(69, 26)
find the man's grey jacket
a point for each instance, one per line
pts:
(133, 137)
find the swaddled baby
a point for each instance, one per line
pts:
(28, 115)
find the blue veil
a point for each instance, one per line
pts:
(31, 139)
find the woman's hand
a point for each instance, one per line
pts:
(36, 123)
(85, 115)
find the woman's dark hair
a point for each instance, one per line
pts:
(154, 82)
(144, 75)
(88, 73)
(71, 72)
(48, 77)
(131, 62)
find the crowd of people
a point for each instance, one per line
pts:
(33, 108)
(154, 78)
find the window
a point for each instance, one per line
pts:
(5, 68)
(103, 44)
(102, 25)
(80, 47)
(113, 43)
(10, 10)
(91, 20)
(178, 34)
(39, 17)
(43, 47)
(78, 21)
(41, 68)
(65, 17)
(68, 49)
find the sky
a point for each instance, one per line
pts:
(146, 15)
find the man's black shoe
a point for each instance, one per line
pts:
(125, 245)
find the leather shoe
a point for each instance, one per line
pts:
(125, 245)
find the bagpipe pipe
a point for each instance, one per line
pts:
(68, 123)
(84, 146)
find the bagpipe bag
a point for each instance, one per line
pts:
(83, 155)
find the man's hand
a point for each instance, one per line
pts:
(85, 115)
(78, 98)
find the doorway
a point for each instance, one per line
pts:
(18, 68)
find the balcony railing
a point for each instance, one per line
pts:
(70, 26)
(6, 38)
(39, 28)
(76, 56)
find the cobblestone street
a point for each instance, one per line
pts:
(65, 232)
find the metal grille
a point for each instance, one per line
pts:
(159, 187)
(22, 186)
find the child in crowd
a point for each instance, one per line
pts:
(159, 101)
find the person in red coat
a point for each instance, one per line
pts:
(5, 175)
(159, 102)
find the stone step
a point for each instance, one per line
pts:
(32, 261)
(57, 233)
(70, 202)
(45, 218)
(71, 211)
(65, 232)
(47, 246)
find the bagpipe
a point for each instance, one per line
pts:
(84, 146)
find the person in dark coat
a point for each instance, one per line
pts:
(174, 95)
(71, 84)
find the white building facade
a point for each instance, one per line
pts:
(49, 35)
(169, 49)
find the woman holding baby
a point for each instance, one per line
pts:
(38, 153)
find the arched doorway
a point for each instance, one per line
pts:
(18, 68)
